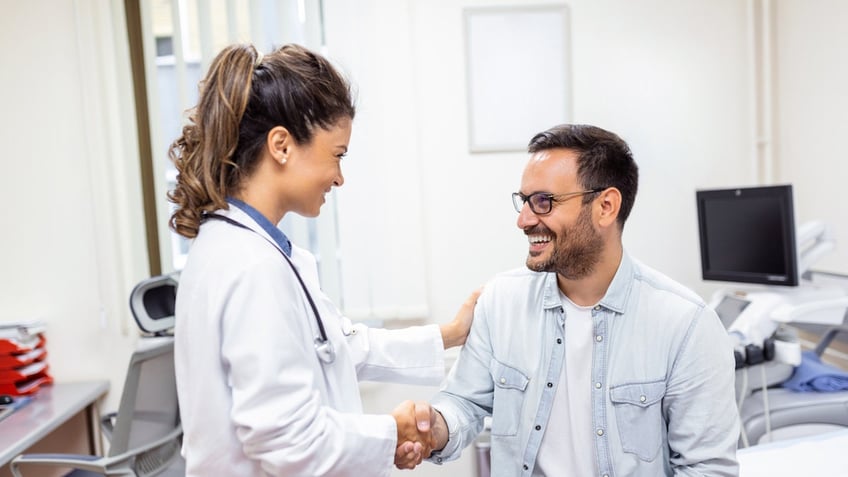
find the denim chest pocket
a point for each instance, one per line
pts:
(510, 384)
(638, 412)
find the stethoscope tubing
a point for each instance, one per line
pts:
(322, 344)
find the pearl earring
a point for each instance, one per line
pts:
(282, 161)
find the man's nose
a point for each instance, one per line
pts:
(526, 218)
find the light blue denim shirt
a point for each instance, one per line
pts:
(662, 377)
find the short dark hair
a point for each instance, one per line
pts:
(604, 160)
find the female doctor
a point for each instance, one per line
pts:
(266, 366)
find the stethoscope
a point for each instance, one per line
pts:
(323, 347)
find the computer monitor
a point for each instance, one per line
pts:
(748, 235)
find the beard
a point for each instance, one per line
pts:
(576, 251)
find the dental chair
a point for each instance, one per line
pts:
(144, 435)
(773, 413)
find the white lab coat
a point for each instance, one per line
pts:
(255, 399)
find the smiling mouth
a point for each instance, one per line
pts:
(538, 243)
(534, 239)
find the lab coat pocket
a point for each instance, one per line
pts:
(510, 384)
(638, 412)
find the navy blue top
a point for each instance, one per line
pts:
(266, 225)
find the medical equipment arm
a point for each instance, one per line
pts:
(814, 240)
(829, 312)
(828, 337)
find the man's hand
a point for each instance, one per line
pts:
(431, 428)
(415, 439)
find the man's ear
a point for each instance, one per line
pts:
(609, 205)
(279, 142)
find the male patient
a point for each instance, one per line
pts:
(589, 362)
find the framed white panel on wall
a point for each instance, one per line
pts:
(518, 74)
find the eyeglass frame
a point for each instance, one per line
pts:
(525, 199)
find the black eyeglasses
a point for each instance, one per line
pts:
(541, 203)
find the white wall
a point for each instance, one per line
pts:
(672, 78)
(384, 266)
(71, 246)
(812, 114)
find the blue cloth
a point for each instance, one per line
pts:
(266, 224)
(813, 375)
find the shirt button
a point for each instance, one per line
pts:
(599, 338)
(559, 340)
(597, 307)
(538, 428)
(550, 385)
(606, 475)
(600, 432)
(503, 380)
(439, 460)
(642, 398)
(597, 385)
(525, 466)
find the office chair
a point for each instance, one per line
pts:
(789, 413)
(152, 303)
(145, 433)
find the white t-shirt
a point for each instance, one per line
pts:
(567, 447)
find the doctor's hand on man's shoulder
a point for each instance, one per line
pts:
(455, 332)
(421, 430)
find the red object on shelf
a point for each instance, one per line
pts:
(23, 358)
(24, 380)
(27, 386)
(21, 345)
(13, 375)
(17, 360)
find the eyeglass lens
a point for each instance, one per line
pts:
(540, 202)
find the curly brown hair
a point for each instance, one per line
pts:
(243, 96)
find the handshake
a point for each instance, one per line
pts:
(420, 430)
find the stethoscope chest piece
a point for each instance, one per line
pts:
(325, 350)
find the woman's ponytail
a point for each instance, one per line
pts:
(203, 155)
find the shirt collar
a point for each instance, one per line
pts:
(619, 290)
(615, 297)
(551, 298)
(269, 228)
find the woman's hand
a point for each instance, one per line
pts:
(415, 436)
(455, 332)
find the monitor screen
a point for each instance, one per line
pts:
(748, 235)
(729, 308)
